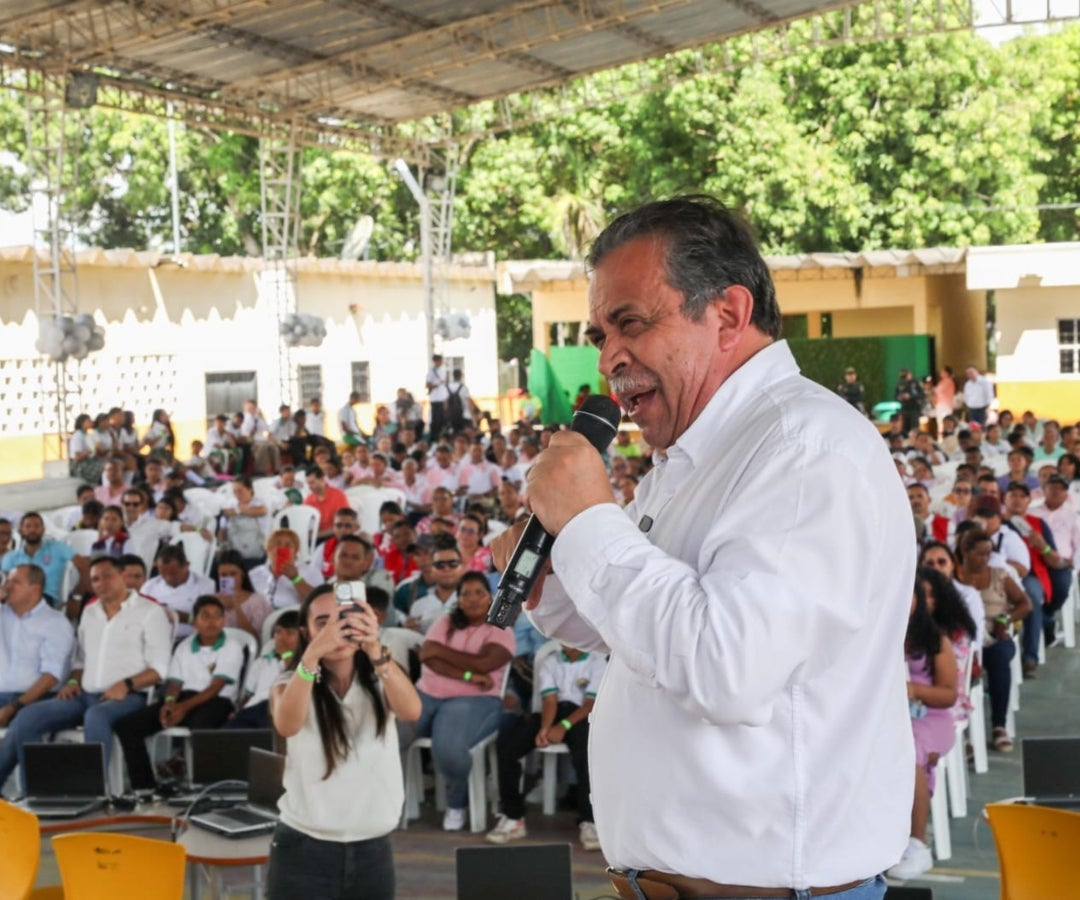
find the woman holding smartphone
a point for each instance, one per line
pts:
(244, 607)
(343, 781)
(283, 580)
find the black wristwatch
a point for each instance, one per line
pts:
(129, 683)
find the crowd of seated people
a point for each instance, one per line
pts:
(997, 520)
(427, 572)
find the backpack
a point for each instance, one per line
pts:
(455, 409)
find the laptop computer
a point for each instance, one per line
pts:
(1051, 771)
(260, 814)
(64, 781)
(524, 872)
(221, 755)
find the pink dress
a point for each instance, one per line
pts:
(933, 729)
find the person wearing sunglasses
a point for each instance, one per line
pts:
(442, 597)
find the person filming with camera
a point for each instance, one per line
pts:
(343, 780)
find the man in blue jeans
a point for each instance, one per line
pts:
(122, 648)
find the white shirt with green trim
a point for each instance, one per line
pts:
(571, 680)
(195, 665)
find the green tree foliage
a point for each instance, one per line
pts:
(946, 140)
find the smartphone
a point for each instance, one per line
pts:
(349, 596)
(227, 584)
(282, 557)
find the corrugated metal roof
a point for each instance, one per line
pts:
(522, 274)
(368, 61)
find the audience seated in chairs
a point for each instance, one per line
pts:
(199, 691)
(253, 708)
(122, 648)
(465, 661)
(47, 554)
(932, 678)
(567, 680)
(1005, 604)
(246, 521)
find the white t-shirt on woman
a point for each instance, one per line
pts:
(362, 798)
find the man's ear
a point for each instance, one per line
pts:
(734, 309)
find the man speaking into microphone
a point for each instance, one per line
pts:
(751, 736)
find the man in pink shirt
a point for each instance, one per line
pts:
(112, 491)
(479, 479)
(442, 472)
(326, 499)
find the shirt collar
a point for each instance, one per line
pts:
(196, 646)
(727, 408)
(584, 655)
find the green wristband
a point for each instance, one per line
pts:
(74, 681)
(566, 723)
(1047, 550)
(466, 676)
(297, 579)
(305, 673)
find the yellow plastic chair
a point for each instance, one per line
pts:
(1037, 850)
(105, 866)
(20, 838)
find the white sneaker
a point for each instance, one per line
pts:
(454, 819)
(507, 830)
(590, 840)
(916, 860)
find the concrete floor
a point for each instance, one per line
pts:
(424, 854)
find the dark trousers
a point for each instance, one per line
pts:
(255, 716)
(302, 866)
(1060, 584)
(996, 660)
(438, 419)
(977, 414)
(1033, 621)
(136, 728)
(515, 742)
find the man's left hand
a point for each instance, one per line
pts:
(567, 478)
(118, 691)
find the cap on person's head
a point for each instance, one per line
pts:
(849, 371)
(1058, 478)
(1018, 486)
(987, 505)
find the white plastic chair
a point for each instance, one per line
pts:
(366, 500)
(1068, 613)
(56, 520)
(955, 759)
(478, 776)
(304, 520)
(552, 753)
(81, 541)
(939, 814)
(198, 550)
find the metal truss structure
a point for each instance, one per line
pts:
(52, 164)
(280, 160)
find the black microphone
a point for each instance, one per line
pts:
(597, 421)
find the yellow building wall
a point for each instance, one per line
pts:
(873, 322)
(1027, 351)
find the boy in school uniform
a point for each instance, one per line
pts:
(254, 707)
(200, 689)
(568, 681)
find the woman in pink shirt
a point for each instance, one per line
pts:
(476, 557)
(465, 661)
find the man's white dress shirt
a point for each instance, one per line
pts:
(34, 644)
(752, 726)
(137, 638)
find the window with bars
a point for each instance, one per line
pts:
(310, 381)
(1069, 346)
(361, 380)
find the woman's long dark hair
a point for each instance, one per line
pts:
(170, 442)
(233, 557)
(457, 614)
(950, 612)
(328, 714)
(923, 635)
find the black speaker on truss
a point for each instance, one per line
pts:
(81, 90)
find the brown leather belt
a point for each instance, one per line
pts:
(665, 886)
